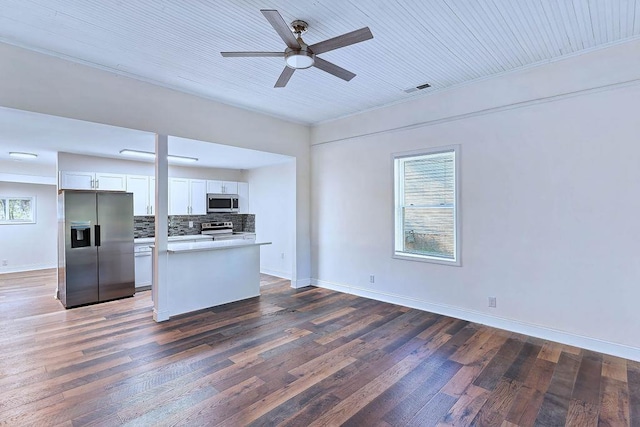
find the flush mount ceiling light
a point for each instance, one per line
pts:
(19, 155)
(150, 155)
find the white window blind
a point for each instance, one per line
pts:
(426, 210)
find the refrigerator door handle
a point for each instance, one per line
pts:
(97, 231)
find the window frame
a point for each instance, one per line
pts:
(396, 193)
(8, 221)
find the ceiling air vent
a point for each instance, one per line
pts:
(420, 87)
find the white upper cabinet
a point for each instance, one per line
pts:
(143, 189)
(187, 196)
(152, 195)
(70, 180)
(198, 194)
(76, 180)
(110, 182)
(222, 187)
(214, 187)
(230, 187)
(179, 196)
(243, 197)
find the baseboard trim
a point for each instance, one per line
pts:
(28, 267)
(160, 316)
(543, 332)
(277, 273)
(300, 283)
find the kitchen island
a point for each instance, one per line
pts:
(205, 274)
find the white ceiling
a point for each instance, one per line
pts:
(443, 42)
(46, 135)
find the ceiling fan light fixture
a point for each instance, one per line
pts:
(299, 59)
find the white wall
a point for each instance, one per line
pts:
(549, 208)
(77, 162)
(272, 192)
(36, 82)
(27, 172)
(25, 167)
(30, 246)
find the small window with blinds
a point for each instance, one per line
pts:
(426, 206)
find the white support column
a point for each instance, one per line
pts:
(301, 276)
(160, 268)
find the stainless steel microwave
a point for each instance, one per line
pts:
(222, 203)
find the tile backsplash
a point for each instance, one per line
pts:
(179, 224)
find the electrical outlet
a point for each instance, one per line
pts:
(5, 262)
(190, 224)
(492, 302)
(372, 279)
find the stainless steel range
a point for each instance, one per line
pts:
(219, 230)
(224, 231)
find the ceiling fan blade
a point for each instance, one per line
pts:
(332, 68)
(278, 24)
(251, 54)
(284, 77)
(347, 39)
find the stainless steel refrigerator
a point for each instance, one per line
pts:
(95, 247)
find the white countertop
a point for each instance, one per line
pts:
(142, 240)
(207, 245)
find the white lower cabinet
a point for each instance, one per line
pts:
(143, 265)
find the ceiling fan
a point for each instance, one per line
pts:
(298, 54)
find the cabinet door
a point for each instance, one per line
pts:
(230, 187)
(143, 267)
(111, 181)
(76, 180)
(198, 195)
(243, 198)
(139, 186)
(178, 196)
(215, 187)
(152, 195)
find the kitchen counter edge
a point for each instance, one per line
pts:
(181, 247)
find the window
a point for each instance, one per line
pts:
(17, 210)
(426, 206)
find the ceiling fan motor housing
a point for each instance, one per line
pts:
(299, 58)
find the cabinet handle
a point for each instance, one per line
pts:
(97, 183)
(92, 183)
(151, 210)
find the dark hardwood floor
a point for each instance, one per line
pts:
(308, 357)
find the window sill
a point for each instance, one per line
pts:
(423, 258)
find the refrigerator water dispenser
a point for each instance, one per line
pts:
(80, 234)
